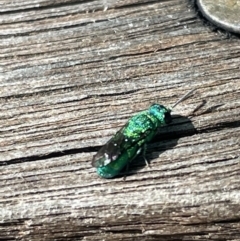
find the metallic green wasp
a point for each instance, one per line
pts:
(131, 139)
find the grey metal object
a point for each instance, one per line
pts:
(223, 13)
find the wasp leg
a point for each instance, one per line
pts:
(144, 153)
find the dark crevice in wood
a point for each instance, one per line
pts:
(50, 29)
(51, 155)
(68, 89)
(138, 4)
(118, 93)
(231, 220)
(49, 6)
(220, 126)
(43, 93)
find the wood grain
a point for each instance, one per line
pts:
(71, 74)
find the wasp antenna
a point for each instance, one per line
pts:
(183, 98)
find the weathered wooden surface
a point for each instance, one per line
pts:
(72, 73)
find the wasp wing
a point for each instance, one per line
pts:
(110, 151)
(115, 146)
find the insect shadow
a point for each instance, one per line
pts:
(166, 138)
